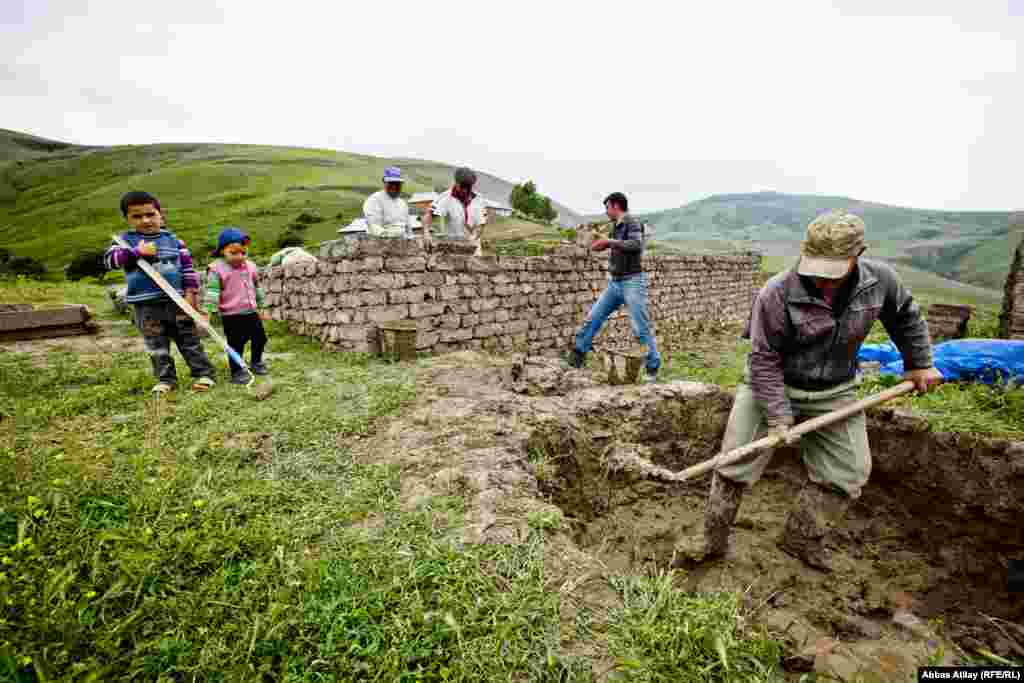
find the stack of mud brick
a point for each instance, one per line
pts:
(1011, 320)
(459, 301)
(948, 321)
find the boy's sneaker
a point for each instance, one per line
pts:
(259, 368)
(202, 384)
(163, 388)
(650, 377)
(574, 359)
(240, 377)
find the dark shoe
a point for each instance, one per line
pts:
(817, 510)
(240, 377)
(650, 377)
(720, 512)
(574, 359)
(259, 369)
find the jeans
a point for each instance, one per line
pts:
(162, 321)
(242, 329)
(631, 293)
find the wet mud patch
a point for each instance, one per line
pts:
(929, 542)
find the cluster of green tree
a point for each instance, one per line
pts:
(13, 266)
(528, 201)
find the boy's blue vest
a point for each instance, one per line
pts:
(167, 262)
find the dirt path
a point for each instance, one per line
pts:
(114, 336)
(529, 442)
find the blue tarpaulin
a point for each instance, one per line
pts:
(989, 361)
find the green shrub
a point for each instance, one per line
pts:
(88, 263)
(309, 217)
(23, 265)
(289, 238)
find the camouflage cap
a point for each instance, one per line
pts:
(832, 240)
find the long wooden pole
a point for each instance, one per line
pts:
(184, 306)
(744, 452)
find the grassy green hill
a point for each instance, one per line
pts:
(971, 246)
(57, 198)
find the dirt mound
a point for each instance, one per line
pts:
(930, 539)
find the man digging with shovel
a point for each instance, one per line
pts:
(806, 327)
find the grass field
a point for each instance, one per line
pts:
(212, 537)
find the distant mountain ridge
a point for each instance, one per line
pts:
(57, 198)
(943, 242)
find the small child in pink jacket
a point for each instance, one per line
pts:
(233, 290)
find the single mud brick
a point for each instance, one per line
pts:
(406, 264)
(341, 283)
(488, 330)
(420, 310)
(479, 305)
(426, 279)
(313, 317)
(451, 321)
(461, 334)
(377, 281)
(354, 332)
(469, 292)
(386, 314)
(449, 293)
(483, 264)
(447, 262)
(412, 295)
(427, 340)
(471, 320)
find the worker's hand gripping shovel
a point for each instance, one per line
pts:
(789, 436)
(191, 312)
(775, 438)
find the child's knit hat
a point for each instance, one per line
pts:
(231, 235)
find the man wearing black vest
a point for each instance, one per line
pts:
(627, 286)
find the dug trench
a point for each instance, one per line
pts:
(921, 557)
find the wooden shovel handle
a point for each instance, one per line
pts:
(744, 452)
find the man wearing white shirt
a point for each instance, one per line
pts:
(464, 209)
(386, 213)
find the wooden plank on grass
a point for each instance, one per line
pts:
(44, 317)
(48, 332)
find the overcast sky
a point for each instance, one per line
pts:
(911, 103)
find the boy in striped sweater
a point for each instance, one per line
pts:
(158, 318)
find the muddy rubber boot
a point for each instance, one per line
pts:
(720, 511)
(817, 509)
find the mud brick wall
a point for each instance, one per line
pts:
(948, 321)
(1011, 321)
(459, 302)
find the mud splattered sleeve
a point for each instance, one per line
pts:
(767, 332)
